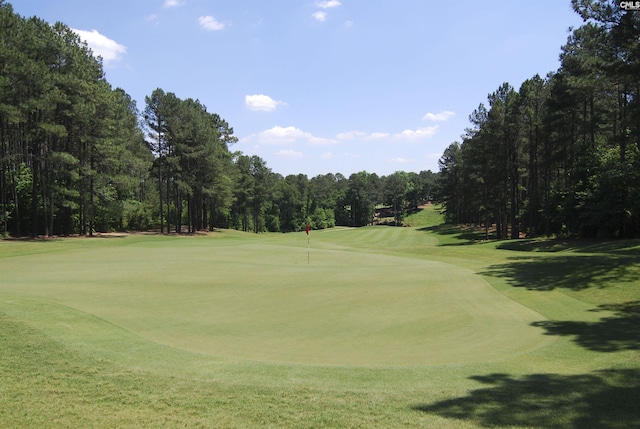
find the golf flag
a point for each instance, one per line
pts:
(307, 231)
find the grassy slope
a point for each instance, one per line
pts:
(63, 367)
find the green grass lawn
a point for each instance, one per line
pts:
(422, 326)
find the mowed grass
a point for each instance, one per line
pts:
(425, 326)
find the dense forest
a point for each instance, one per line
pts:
(560, 155)
(77, 156)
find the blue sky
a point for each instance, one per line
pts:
(324, 86)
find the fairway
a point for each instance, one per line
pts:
(372, 327)
(262, 300)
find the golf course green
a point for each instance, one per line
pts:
(423, 326)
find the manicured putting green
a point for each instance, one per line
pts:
(259, 300)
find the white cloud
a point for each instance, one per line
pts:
(287, 135)
(406, 135)
(282, 135)
(289, 153)
(173, 3)
(359, 135)
(399, 160)
(348, 24)
(320, 16)
(209, 23)
(351, 135)
(102, 46)
(415, 135)
(321, 140)
(377, 136)
(261, 102)
(442, 116)
(327, 155)
(290, 135)
(327, 4)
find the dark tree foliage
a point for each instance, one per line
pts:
(192, 164)
(72, 157)
(562, 154)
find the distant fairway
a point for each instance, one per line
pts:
(260, 300)
(385, 327)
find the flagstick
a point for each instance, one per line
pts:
(308, 238)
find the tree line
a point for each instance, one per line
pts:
(560, 155)
(200, 183)
(77, 156)
(71, 151)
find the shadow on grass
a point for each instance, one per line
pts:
(604, 399)
(575, 272)
(610, 334)
(462, 235)
(618, 247)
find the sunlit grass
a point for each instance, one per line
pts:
(238, 330)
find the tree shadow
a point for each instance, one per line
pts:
(464, 235)
(618, 247)
(575, 272)
(604, 399)
(610, 334)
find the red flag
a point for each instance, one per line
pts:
(308, 229)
